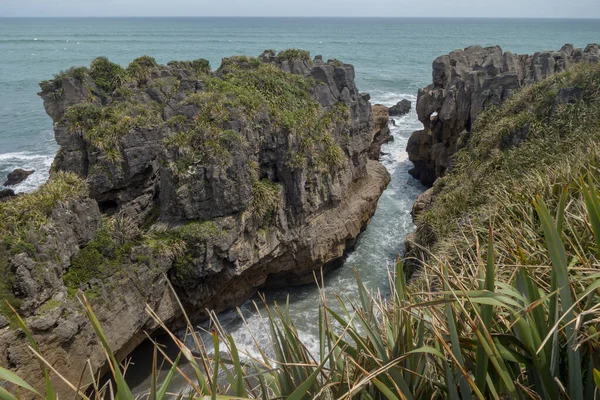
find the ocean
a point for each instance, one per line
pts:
(392, 58)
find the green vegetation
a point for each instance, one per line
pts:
(238, 63)
(55, 85)
(244, 91)
(141, 68)
(30, 213)
(290, 54)
(104, 126)
(531, 145)
(105, 255)
(266, 200)
(183, 242)
(23, 220)
(514, 339)
(200, 66)
(107, 75)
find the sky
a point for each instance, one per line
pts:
(311, 8)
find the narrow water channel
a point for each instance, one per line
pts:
(375, 254)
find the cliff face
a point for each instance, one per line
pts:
(536, 143)
(467, 82)
(381, 130)
(220, 182)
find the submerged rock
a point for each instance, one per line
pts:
(252, 176)
(467, 82)
(401, 108)
(17, 176)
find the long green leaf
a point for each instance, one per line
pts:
(5, 395)
(593, 208)
(560, 266)
(50, 394)
(123, 391)
(162, 392)
(11, 377)
(486, 317)
(239, 388)
(465, 389)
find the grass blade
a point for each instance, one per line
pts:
(560, 266)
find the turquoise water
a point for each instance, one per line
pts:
(392, 58)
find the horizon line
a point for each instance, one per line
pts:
(299, 16)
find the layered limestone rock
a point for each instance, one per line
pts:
(220, 183)
(381, 130)
(466, 82)
(401, 108)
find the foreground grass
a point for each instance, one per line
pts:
(511, 300)
(481, 339)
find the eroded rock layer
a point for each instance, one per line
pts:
(467, 82)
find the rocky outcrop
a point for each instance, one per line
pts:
(381, 130)
(6, 194)
(467, 82)
(220, 183)
(17, 176)
(401, 108)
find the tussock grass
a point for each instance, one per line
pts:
(531, 145)
(104, 126)
(259, 95)
(23, 221)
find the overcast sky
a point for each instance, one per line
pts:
(354, 8)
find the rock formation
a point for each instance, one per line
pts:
(6, 194)
(222, 182)
(401, 108)
(466, 82)
(17, 176)
(381, 130)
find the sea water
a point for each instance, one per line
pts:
(392, 58)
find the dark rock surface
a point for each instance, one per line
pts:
(381, 130)
(467, 82)
(6, 194)
(17, 176)
(401, 108)
(189, 193)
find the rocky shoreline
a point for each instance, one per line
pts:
(218, 183)
(467, 82)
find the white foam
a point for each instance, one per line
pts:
(389, 99)
(40, 163)
(20, 156)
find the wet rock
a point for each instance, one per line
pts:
(381, 130)
(17, 176)
(6, 194)
(401, 108)
(467, 82)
